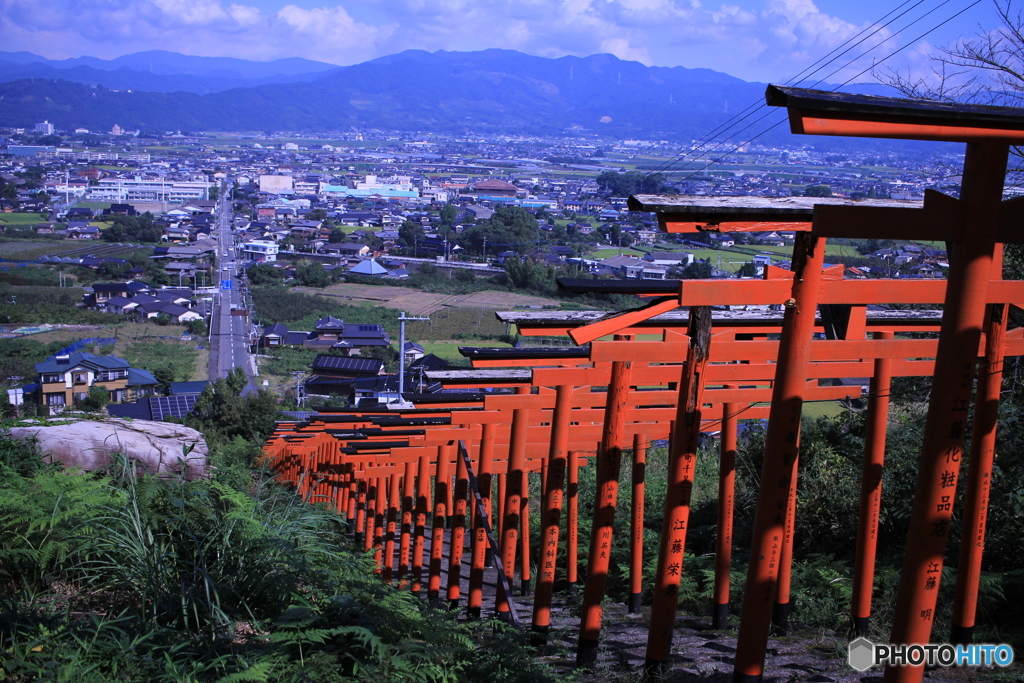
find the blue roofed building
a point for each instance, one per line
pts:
(65, 379)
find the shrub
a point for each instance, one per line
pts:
(98, 398)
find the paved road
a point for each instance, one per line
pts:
(229, 339)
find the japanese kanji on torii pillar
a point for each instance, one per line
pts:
(976, 225)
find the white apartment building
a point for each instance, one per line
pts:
(263, 251)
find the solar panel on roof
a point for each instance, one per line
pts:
(346, 363)
(162, 407)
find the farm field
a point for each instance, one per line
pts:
(425, 303)
(26, 249)
(449, 349)
(608, 253)
(32, 250)
(730, 260)
(816, 409)
(145, 345)
(22, 219)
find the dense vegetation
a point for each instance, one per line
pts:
(47, 305)
(133, 229)
(301, 311)
(233, 578)
(109, 576)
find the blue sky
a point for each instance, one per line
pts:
(765, 40)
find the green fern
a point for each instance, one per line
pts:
(259, 672)
(44, 518)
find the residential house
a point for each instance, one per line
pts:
(178, 314)
(80, 213)
(103, 291)
(647, 236)
(120, 210)
(82, 231)
(363, 218)
(669, 258)
(413, 351)
(262, 251)
(274, 335)
(629, 268)
(66, 379)
(351, 250)
(120, 305)
(329, 329)
(333, 374)
(368, 391)
(177, 233)
(761, 261)
(357, 336)
(480, 213)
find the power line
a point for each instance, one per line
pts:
(847, 82)
(866, 33)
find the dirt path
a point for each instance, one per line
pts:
(698, 652)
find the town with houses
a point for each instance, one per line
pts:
(471, 364)
(375, 206)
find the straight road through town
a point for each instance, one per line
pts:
(230, 334)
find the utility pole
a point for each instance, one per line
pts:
(299, 388)
(402, 319)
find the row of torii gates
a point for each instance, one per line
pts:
(709, 366)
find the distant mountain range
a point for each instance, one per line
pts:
(162, 71)
(491, 90)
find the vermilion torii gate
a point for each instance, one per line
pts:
(975, 223)
(853, 292)
(382, 532)
(630, 349)
(795, 352)
(640, 350)
(609, 349)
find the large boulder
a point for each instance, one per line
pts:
(154, 447)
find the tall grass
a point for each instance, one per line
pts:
(227, 579)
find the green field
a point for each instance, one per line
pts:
(816, 409)
(730, 260)
(180, 357)
(32, 249)
(349, 229)
(841, 250)
(27, 249)
(608, 253)
(449, 350)
(22, 219)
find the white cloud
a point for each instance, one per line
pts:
(753, 39)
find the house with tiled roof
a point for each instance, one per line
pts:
(334, 374)
(64, 380)
(274, 335)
